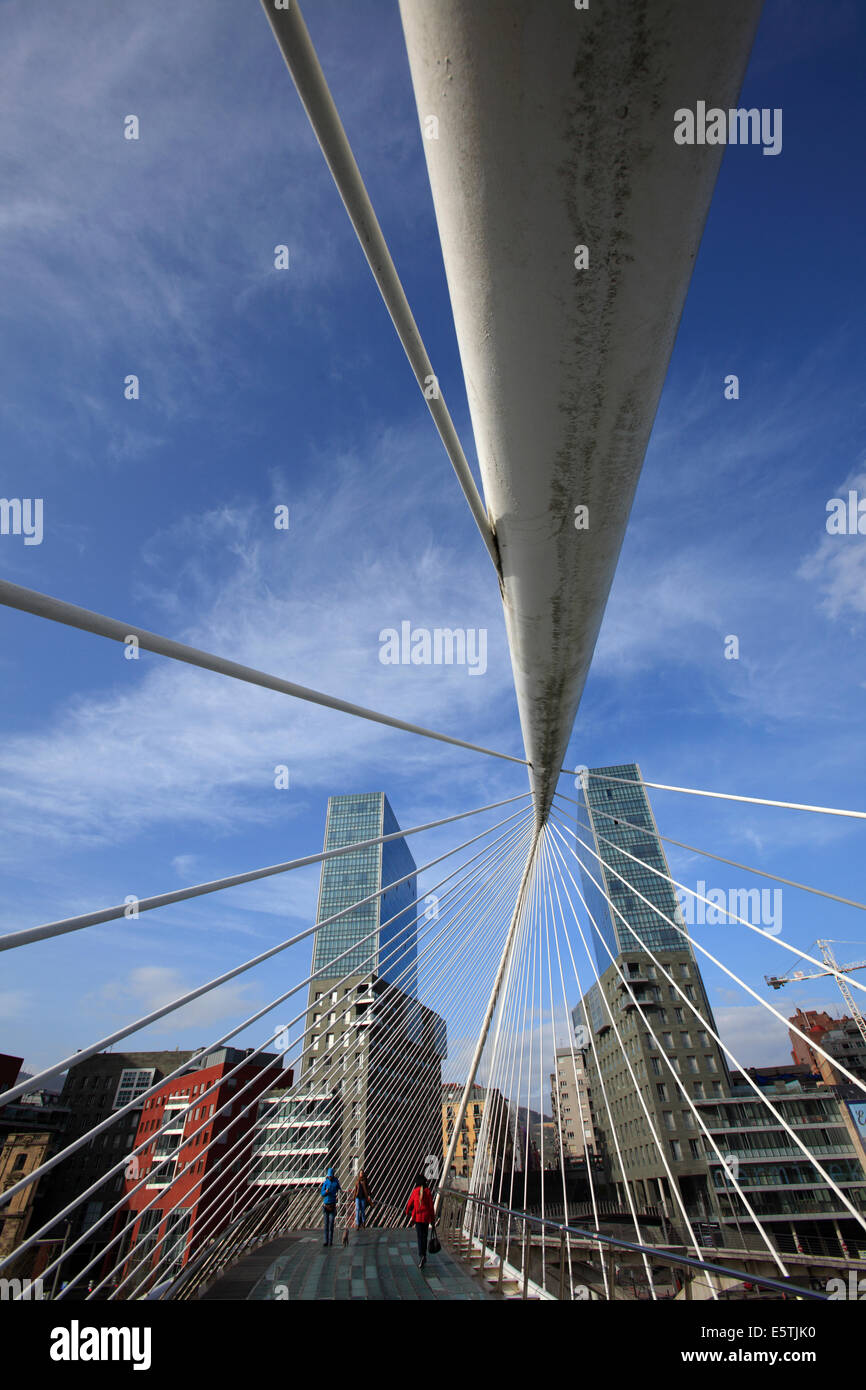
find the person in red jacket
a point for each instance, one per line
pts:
(420, 1208)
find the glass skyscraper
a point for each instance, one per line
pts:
(651, 1009)
(368, 1087)
(613, 816)
(379, 937)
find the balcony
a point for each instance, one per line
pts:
(641, 1002)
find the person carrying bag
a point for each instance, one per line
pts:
(420, 1208)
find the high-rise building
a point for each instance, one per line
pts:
(615, 819)
(377, 937)
(645, 1024)
(369, 1082)
(570, 1103)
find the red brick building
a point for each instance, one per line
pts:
(206, 1145)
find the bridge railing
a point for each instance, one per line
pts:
(530, 1256)
(243, 1237)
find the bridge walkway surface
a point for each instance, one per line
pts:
(376, 1265)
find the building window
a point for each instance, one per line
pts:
(134, 1081)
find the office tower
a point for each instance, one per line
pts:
(377, 937)
(369, 1081)
(615, 816)
(670, 1050)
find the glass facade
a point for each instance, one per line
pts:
(294, 1137)
(603, 810)
(378, 937)
(595, 1016)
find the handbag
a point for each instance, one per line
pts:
(433, 1244)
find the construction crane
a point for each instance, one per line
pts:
(838, 971)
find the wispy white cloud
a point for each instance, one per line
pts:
(150, 987)
(184, 864)
(149, 255)
(167, 744)
(15, 1003)
(837, 565)
(753, 1035)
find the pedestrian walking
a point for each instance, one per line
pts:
(363, 1199)
(330, 1189)
(420, 1208)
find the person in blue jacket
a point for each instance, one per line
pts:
(330, 1188)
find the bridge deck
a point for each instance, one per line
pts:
(378, 1264)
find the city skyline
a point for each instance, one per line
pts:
(433, 645)
(123, 778)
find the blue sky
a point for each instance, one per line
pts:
(261, 387)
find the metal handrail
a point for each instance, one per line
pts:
(171, 1288)
(657, 1254)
